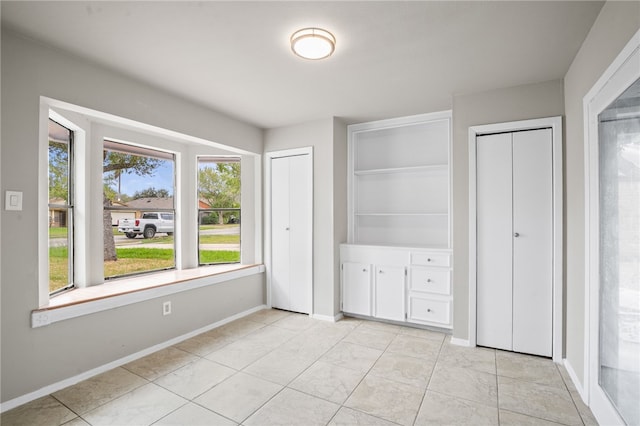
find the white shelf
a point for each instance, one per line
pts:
(393, 170)
(400, 181)
(402, 214)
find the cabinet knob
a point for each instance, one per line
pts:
(429, 259)
(286, 229)
(381, 271)
(364, 270)
(516, 235)
(428, 280)
(428, 310)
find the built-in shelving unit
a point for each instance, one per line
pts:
(397, 265)
(400, 174)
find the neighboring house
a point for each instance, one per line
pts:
(116, 215)
(57, 216)
(154, 203)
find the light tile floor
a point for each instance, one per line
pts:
(278, 368)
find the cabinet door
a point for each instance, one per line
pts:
(422, 309)
(390, 294)
(356, 288)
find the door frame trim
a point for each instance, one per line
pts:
(268, 157)
(622, 72)
(555, 124)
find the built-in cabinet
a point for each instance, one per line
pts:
(397, 263)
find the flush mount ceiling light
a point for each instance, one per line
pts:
(313, 43)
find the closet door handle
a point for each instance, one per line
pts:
(516, 235)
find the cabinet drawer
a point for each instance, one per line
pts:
(431, 259)
(431, 280)
(430, 311)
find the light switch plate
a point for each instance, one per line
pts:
(13, 200)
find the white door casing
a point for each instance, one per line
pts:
(289, 230)
(623, 71)
(475, 192)
(514, 238)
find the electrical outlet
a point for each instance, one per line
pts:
(166, 308)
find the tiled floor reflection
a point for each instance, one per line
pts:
(278, 368)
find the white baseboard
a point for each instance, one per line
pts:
(49, 389)
(460, 342)
(329, 318)
(576, 381)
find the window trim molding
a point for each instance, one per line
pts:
(620, 73)
(89, 127)
(175, 282)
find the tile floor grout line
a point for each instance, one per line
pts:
(495, 360)
(283, 387)
(426, 388)
(570, 394)
(365, 375)
(335, 336)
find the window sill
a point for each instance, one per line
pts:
(89, 300)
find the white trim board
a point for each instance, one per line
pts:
(268, 156)
(555, 123)
(15, 402)
(622, 72)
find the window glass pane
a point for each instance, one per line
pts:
(138, 215)
(219, 210)
(619, 156)
(60, 210)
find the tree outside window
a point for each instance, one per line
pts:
(219, 210)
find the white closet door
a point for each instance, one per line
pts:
(300, 260)
(494, 241)
(291, 260)
(280, 246)
(532, 247)
(515, 241)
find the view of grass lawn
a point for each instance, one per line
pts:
(58, 232)
(219, 256)
(58, 267)
(139, 259)
(131, 260)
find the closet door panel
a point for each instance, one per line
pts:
(494, 240)
(532, 242)
(280, 201)
(300, 235)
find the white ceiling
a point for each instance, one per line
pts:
(392, 58)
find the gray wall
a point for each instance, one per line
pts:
(614, 27)
(496, 106)
(329, 200)
(34, 358)
(339, 202)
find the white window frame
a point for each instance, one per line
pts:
(220, 159)
(90, 128)
(622, 72)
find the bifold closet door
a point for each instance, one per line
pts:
(515, 241)
(291, 264)
(533, 244)
(494, 241)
